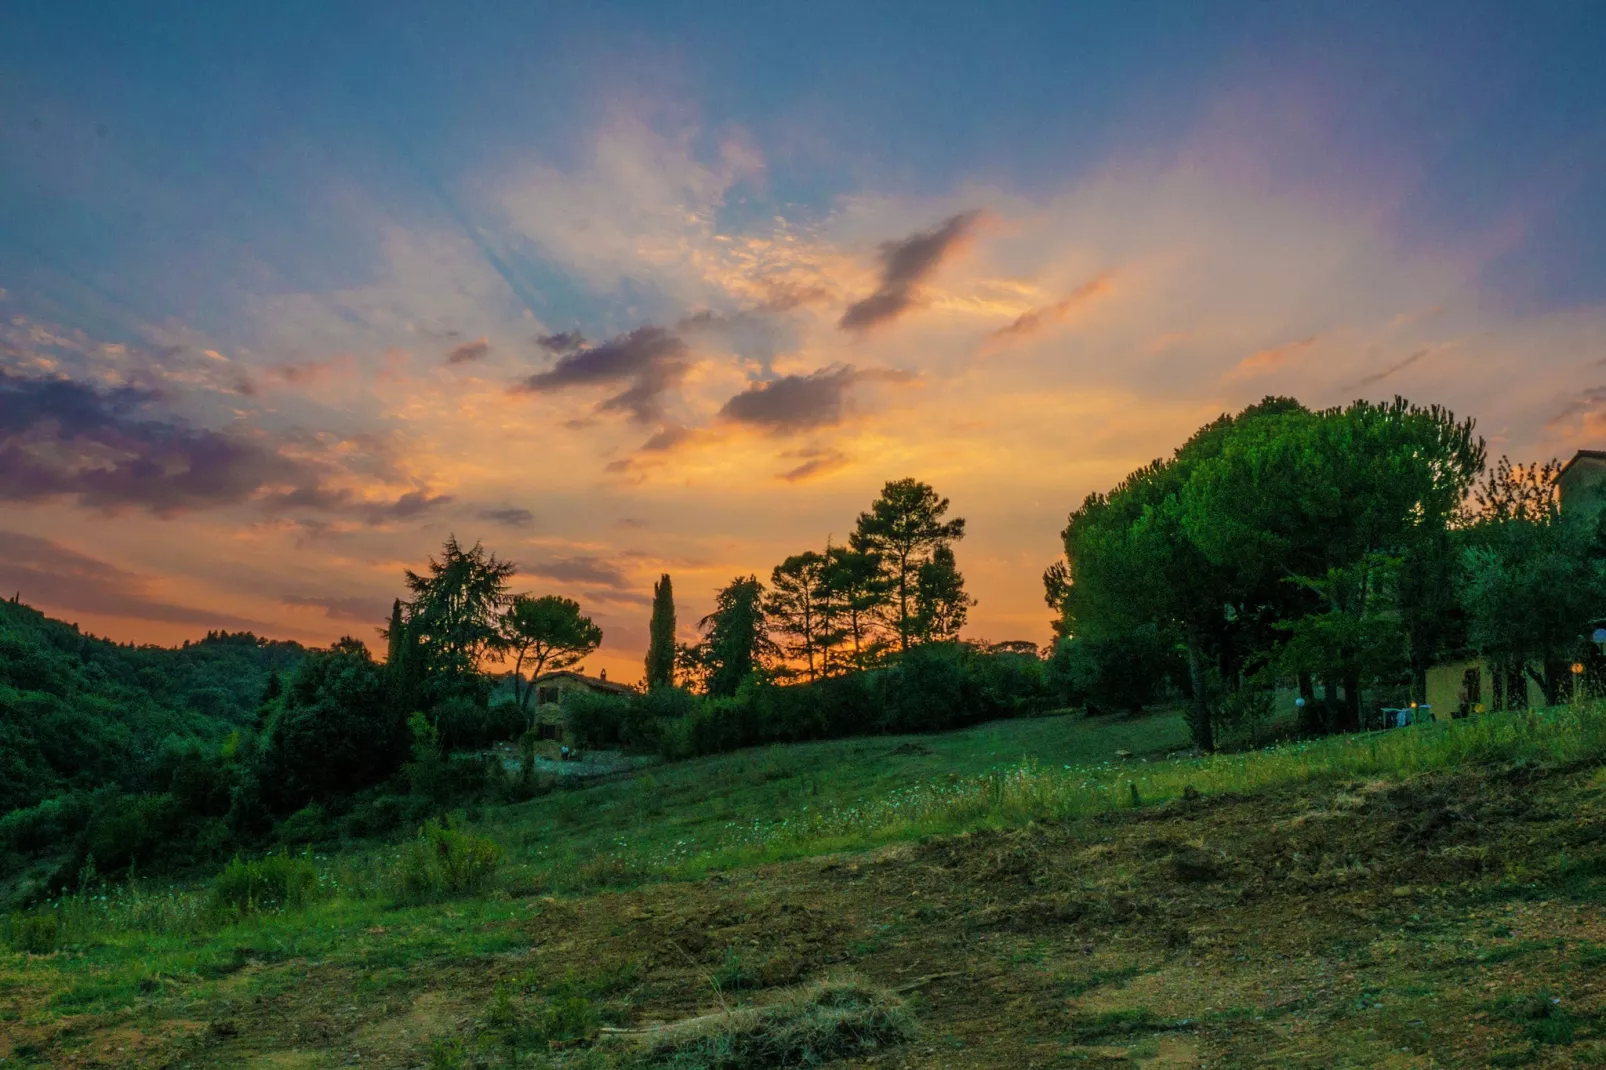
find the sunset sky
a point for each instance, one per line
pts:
(289, 292)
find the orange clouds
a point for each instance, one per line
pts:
(1034, 320)
(1266, 361)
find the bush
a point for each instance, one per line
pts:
(444, 863)
(47, 824)
(464, 724)
(597, 720)
(338, 732)
(307, 825)
(1125, 672)
(33, 934)
(276, 882)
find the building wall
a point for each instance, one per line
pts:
(1445, 682)
(1584, 484)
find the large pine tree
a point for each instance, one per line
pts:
(661, 644)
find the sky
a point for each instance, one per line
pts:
(289, 293)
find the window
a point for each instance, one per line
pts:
(546, 695)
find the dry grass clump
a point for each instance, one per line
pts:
(805, 1027)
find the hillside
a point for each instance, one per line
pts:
(78, 712)
(1423, 897)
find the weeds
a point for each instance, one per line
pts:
(276, 882)
(32, 934)
(444, 863)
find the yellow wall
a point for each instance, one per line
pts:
(1444, 687)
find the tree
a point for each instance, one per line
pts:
(338, 731)
(903, 528)
(854, 588)
(941, 602)
(661, 632)
(1296, 500)
(1535, 578)
(454, 617)
(795, 607)
(551, 633)
(736, 640)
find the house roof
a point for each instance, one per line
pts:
(1597, 455)
(594, 682)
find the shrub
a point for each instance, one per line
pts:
(1126, 671)
(276, 882)
(33, 934)
(444, 863)
(464, 724)
(596, 720)
(338, 732)
(307, 825)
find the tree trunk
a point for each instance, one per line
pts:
(1310, 718)
(1203, 734)
(1352, 702)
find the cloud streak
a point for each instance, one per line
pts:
(56, 577)
(801, 402)
(1034, 320)
(468, 352)
(904, 265)
(60, 438)
(1266, 361)
(650, 361)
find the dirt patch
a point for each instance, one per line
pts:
(1362, 923)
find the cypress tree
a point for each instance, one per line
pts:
(661, 645)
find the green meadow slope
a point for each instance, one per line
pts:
(1048, 892)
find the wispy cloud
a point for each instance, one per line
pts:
(1266, 361)
(1034, 320)
(800, 402)
(467, 352)
(904, 265)
(1393, 369)
(815, 463)
(51, 576)
(650, 359)
(348, 608)
(512, 516)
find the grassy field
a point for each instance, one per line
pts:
(1048, 892)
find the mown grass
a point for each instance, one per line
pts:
(113, 947)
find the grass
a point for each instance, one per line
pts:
(804, 1027)
(108, 960)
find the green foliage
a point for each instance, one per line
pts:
(796, 607)
(78, 712)
(1534, 583)
(454, 618)
(444, 863)
(1123, 671)
(32, 934)
(661, 636)
(941, 603)
(1271, 527)
(935, 686)
(275, 882)
(736, 642)
(902, 530)
(596, 718)
(550, 633)
(338, 732)
(464, 723)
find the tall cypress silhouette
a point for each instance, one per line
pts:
(661, 646)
